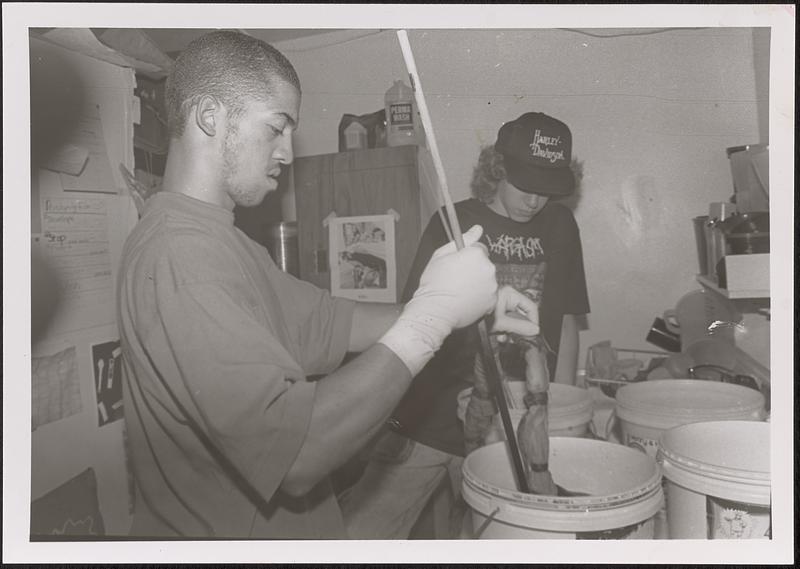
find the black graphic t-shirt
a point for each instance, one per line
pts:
(543, 258)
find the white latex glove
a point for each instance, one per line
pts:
(455, 289)
(515, 313)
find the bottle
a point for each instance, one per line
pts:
(401, 115)
(283, 246)
(355, 136)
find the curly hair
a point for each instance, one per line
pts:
(229, 65)
(490, 171)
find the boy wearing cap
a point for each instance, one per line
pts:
(535, 244)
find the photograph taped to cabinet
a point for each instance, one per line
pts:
(362, 258)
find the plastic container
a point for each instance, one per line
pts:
(623, 487)
(608, 384)
(402, 126)
(699, 224)
(569, 410)
(717, 480)
(355, 136)
(648, 408)
(283, 246)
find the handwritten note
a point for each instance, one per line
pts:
(75, 243)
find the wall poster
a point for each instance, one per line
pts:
(362, 258)
(55, 385)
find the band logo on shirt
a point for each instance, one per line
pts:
(515, 247)
(525, 277)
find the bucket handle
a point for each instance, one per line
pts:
(612, 419)
(489, 519)
(593, 431)
(636, 446)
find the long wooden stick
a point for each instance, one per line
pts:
(489, 359)
(419, 96)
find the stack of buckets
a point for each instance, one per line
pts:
(717, 480)
(713, 455)
(648, 412)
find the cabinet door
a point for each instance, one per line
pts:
(361, 182)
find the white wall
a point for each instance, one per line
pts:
(64, 448)
(651, 116)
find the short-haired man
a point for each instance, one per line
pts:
(228, 437)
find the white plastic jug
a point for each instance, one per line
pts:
(401, 116)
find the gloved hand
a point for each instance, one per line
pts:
(515, 313)
(455, 289)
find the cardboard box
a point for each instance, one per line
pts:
(750, 172)
(744, 276)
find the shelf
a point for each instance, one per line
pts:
(746, 276)
(734, 294)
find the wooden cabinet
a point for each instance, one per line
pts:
(361, 182)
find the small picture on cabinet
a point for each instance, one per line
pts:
(362, 258)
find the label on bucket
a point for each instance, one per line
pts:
(647, 446)
(736, 520)
(643, 530)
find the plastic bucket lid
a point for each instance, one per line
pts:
(666, 403)
(726, 459)
(623, 487)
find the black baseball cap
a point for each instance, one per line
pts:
(537, 151)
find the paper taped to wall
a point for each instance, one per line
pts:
(107, 367)
(55, 387)
(69, 159)
(87, 137)
(75, 245)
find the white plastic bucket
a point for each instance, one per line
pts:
(569, 410)
(648, 408)
(623, 490)
(717, 480)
